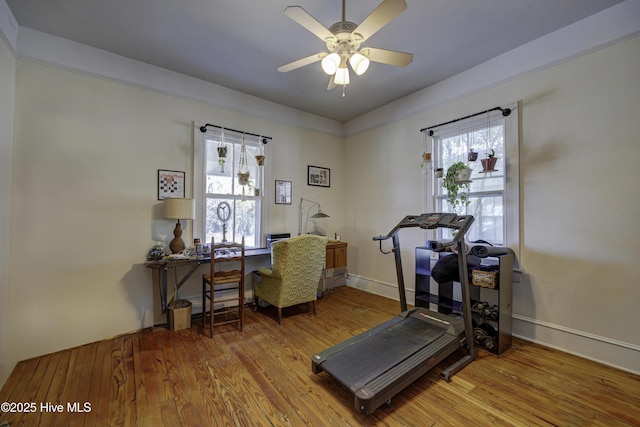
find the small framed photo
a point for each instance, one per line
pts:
(320, 177)
(170, 184)
(283, 192)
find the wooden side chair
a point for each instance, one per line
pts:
(223, 285)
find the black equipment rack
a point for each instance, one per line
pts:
(379, 363)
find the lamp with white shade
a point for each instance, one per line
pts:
(318, 214)
(178, 209)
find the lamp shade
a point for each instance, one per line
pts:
(342, 76)
(319, 214)
(179, 208)
(330, 63)
(359, 63)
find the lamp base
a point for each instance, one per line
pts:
(177, 244)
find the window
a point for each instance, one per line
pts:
(492, 195)
(216, 166)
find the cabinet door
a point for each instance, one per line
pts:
(330, 262)
(340, 257)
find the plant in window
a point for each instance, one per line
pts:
(222, 155)
(243, 168)
(472, 156)
(455, 180)
(243, 178)
(426, 159)
(489, 163)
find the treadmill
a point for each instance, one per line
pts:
(379, 363)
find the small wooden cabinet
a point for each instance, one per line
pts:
(336, 254)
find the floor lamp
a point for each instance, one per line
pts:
(318, 214)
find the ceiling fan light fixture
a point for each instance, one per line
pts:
(330, 63)
(342, 76)
(359, 63)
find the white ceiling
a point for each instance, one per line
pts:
(240, 43)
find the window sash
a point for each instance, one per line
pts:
(212, 187)
(508, 171)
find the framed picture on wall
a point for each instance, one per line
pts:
(320, 177)
(283, 192)
(170, 184)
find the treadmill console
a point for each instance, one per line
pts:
(434, 220)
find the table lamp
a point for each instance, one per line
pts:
(178, 209)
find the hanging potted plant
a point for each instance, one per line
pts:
(455, 180)
(426, 159)
(222, 150)
(243, 168)
(243, 178)
(472, 156)
(489, 163)
(222, 154)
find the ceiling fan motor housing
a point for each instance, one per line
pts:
(344, 43)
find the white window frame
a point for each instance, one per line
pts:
(199, 181)
(511, 191)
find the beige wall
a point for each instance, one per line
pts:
(85, 199)
(7, 83)
(580, 227)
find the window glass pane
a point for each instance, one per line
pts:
(222, 154)
(214, 227)
(245, 224)
(486, 189)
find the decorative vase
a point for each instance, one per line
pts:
(488, 164)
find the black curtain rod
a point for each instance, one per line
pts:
(505, 113)
(265, 139)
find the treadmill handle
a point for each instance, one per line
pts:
(380, 239)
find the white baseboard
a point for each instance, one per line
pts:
(384, 289)
(617, 354)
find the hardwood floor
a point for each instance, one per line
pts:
(262, 376)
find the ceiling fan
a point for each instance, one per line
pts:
(343, 40)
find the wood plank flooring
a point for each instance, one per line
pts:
(262, 377)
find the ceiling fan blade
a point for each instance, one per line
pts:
(302, 62)
(332, 82)
(391, 57)
(303, 18)
(381, 16)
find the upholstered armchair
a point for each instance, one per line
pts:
(297, 265)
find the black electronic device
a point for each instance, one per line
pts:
(381, 362)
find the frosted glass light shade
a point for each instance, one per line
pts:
(359, 63)
(330, 63)
(342, 76)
